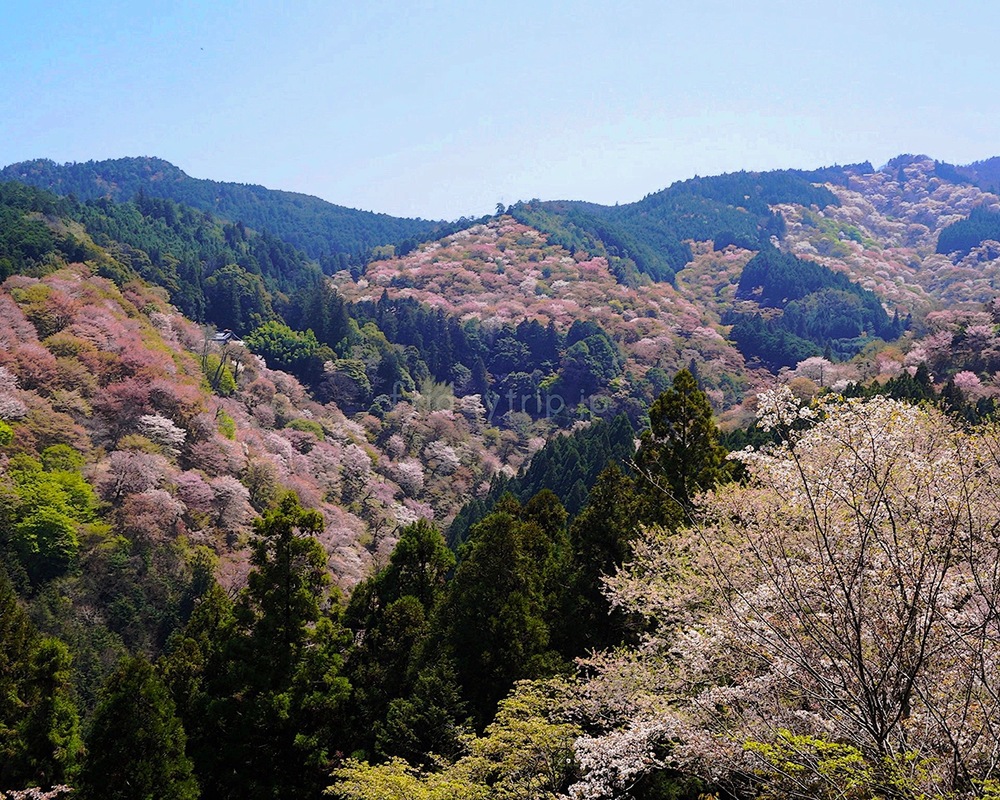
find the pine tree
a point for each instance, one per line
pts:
(135, 750)
(679, 455)
(39, 725)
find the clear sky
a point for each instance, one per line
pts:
(444, 109)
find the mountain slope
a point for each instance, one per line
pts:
(128, 437)
(500, 272)
(883, 233)
(650, 236)
(330, 233)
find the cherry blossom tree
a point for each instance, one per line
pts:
(231, 505)
(843, 603)
(127, 472)
(163, 432)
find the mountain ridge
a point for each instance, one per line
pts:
(335, 235)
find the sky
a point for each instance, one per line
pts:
(444, 109)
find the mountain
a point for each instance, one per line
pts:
(662, 277)
(145, 465)
(332, 234)
(650, 236)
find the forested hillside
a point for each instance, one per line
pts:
(457, 520)
(649, 236)
(333, 235)
(174, 506)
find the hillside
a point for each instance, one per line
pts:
(233, 548)
(884, 231)
(332, 234)
(503, 271)
(169, 496)
(663, 277)
(166, 445)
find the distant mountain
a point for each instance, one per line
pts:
(650, 236)
(663, 277)
(985, 174)
(334, 235)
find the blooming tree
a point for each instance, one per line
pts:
(841, 606)
(163, 432)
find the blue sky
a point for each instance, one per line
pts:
(444, 109)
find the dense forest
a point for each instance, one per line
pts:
(962, 236)
(652, 233)
(647, 236)
(568, 466)
(333, 235)
(362, 355)
(819, 309)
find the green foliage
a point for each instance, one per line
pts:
(144, 587)
(767, 341)
(346, 382)
(651, 234)
(196, 672)
(286, 587)
(335, 235)
(259, 684)
(600, 538)
(441, 341)
(39, 737)
(679, 455)
(61, 458)
(180, 248)
(796, 764)
(522, 753)
(308, 426)
(17, 638)
(919, 388)
(589, 363)
(26, 242)
(237, 300)
(402, 707)
(296, 352)
(576, 228)
(219, 375)
(568, 465)
(397, 780)
(774, 279)
(226, 424)
(135, 749)
(52, 746)
(821, 308)
(495, 618)
(962, 236)
(47, 511)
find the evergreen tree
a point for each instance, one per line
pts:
(495, 619)
(286, 666)
(260, 682)
(16, 642)
(198, 674)
(601, 538)
(286, 588)
(135, 750)
(39, 726)
(51, 728)
(400, 709)
(679, 455)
